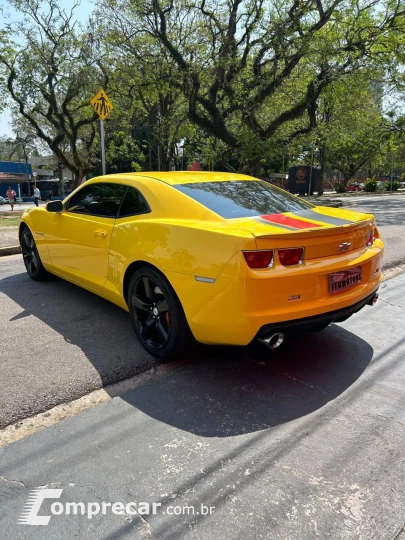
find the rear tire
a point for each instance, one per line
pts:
(157, 315)
(32, 260)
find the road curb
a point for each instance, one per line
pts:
(9, 250)
(30, 425)
(392, 271)
(333, 203)
(364, 194)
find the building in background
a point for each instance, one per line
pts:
(16, 175)
(41, 171)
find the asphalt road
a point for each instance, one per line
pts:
(389, 212)
(59, 342)
(306, 444)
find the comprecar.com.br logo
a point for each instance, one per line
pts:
(29, 515)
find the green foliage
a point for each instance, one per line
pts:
(351, 125)
(241, 86)
(340, 189)
(136, 167)
(253, 72)
(370, 185)
(51, 72)
(122, 152)
(394, 186)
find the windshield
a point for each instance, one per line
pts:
(241, 198)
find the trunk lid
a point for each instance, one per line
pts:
(322, 231)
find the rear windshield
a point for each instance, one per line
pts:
(241, 198)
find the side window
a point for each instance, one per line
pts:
(97, 200)
(133, 203)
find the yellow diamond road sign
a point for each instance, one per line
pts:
(101, 104)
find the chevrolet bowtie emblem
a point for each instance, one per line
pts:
(345, 246)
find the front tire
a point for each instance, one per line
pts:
(157, 315)
(32, 260)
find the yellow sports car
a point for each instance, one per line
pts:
(224, 258)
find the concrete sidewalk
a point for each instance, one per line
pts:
(18, 207)
(302, 444)
(9, 236)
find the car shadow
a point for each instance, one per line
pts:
(224, 391)
(235, 390)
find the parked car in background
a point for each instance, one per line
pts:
(3, 200)
(354, 187)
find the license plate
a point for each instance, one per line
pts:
(340, 281)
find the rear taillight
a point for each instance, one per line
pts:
(291, 256)
(259, 259)
(370, 238)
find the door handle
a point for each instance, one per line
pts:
(103, 234)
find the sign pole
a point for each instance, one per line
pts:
(102, 146)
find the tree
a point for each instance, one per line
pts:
(50, 75)
(142, 75)
(239, 60)
(350, 127)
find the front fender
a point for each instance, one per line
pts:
(36, 219)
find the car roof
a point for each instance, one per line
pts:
(188, 177)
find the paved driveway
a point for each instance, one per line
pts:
(301, 445)
(389, 212)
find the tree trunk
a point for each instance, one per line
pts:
(78, 178)
(252, 167)
(60, 185)
(164, 159)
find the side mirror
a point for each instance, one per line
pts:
(55, 206)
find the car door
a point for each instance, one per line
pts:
(78, 239)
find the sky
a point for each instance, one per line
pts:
(82, 12)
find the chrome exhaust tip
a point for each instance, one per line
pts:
(274, 341)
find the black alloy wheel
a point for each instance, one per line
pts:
(152, 312)
(157, 315)
(31, 256)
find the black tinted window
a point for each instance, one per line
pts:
(242, 198)
(97, 200)
(133, 203)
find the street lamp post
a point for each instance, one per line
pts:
(306, 148)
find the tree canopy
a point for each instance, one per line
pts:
(241, 85)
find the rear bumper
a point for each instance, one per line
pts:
(242, 302)
(317, 322)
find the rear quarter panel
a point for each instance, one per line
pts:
(174, 247)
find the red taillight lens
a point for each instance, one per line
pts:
(370, 238)
(258, 259)
(289, 257)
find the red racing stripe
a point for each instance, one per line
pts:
(289, 221)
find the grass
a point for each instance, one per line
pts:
(9, 221)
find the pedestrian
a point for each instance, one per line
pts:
(36, 195)
(11, 196)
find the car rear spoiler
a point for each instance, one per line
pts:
(318, 232)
